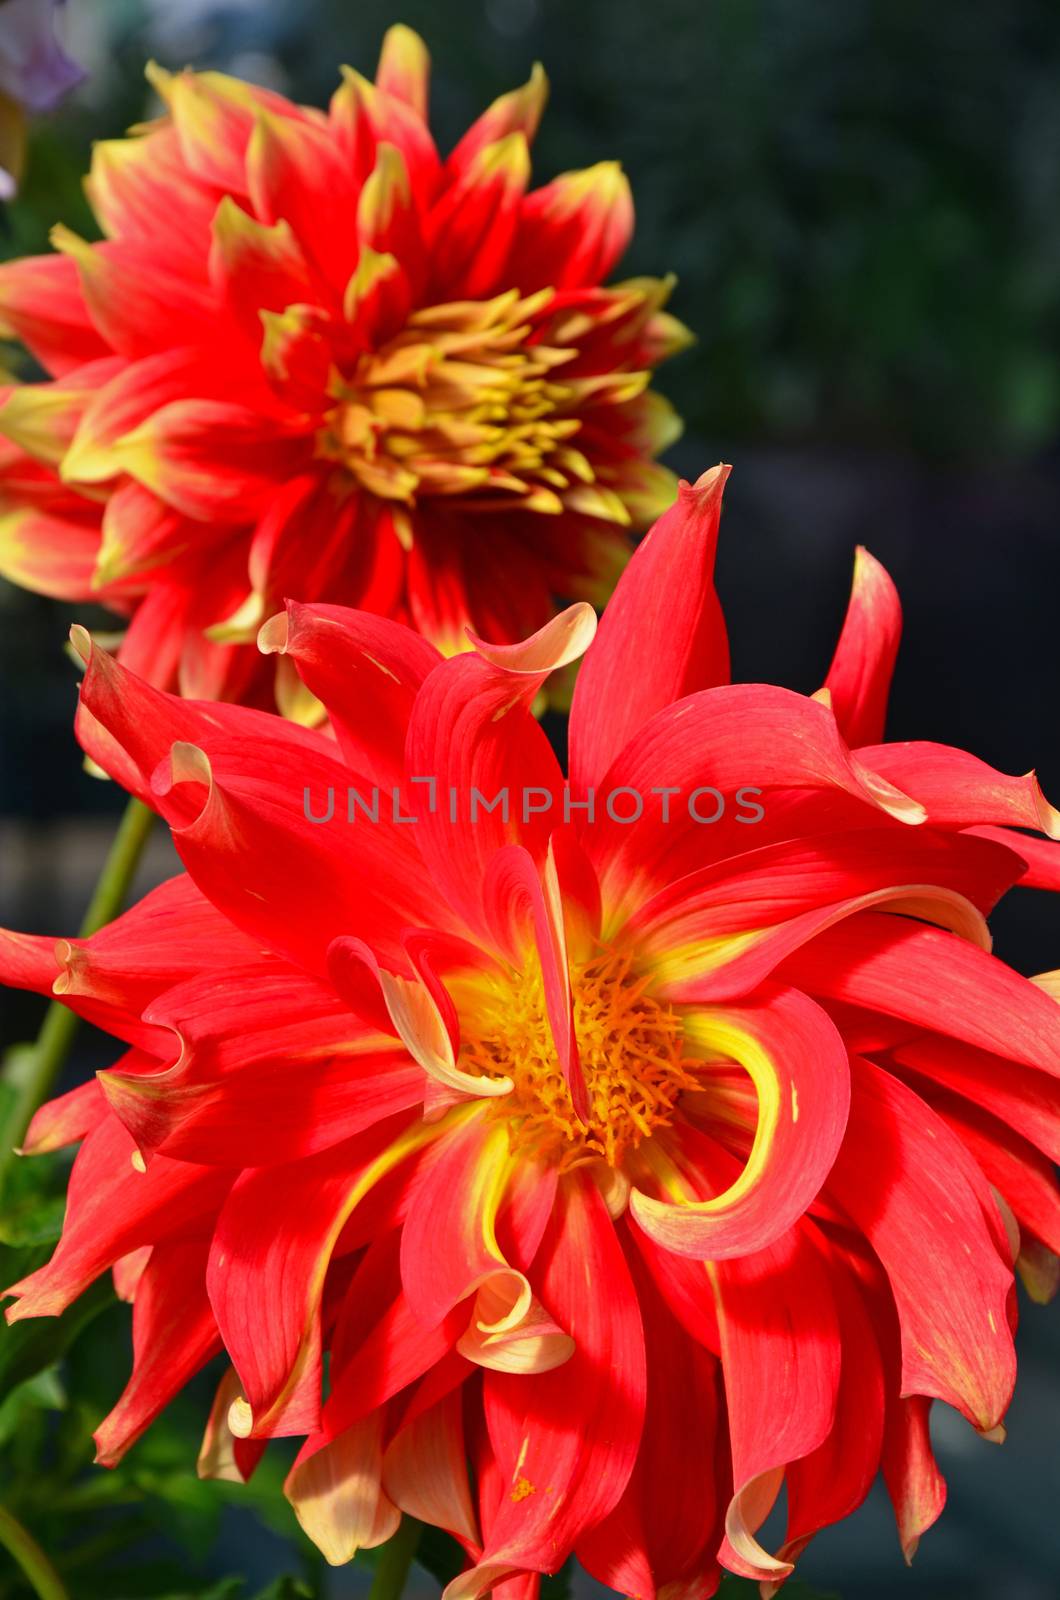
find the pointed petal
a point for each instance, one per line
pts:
(859, 679)
(404, 68)
(958, 790)
(271, 1248)
(42, 304)
(473, 225)
(174, 1335)
(256, 266)
(665, 612)
(574, 230)
(939, 1248)
(212, 459)
(337, 1493)
(914, 1482)
(933, 979)
(113, 1208)
(519, 111)
(296, 175)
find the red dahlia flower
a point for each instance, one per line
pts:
(624, 1170)
(310, 357)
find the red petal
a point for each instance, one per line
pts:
(111, 1209)
(1025, 1098)
(174, 1334)
(834, 1479)
(472, 226)
(798, 1064)
(914, 1482)
(214, 460)
(939, 1237)
(780, 1354)
(859, 679)
(747, 736)
(565, 1443)
(256, 266)
(665, 1529)
(449, 1252)
(296, 172)
(41, 303)
(519, 111)
(141, 190)
(471, 730)
(271, 1248)
(665, 612)
(367, 671)
(573, 231)
(933, 979)
(958, 790)
(271, 1067)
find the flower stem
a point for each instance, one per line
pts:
(31, 1070)
(22, 1546)
(395, 1559)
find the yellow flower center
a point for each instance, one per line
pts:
(464, 402)
(631, 1050)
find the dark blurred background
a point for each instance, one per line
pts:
(861, 199)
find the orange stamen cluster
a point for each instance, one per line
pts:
(464, 402)
(631, 1056)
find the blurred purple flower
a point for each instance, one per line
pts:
(35, 74)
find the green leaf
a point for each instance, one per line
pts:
(33, 1194)
(42, 1392)
(439, 1554)
(27, 1348)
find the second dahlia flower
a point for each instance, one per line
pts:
(631, 1147)
(310, 357)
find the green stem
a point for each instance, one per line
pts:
(31, 1558)
(31, 1070)
(395, 1559)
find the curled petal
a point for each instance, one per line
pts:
(449, 1252)
(415, 1007)
(563, 1430)
(366, 670)
(337, 1492)
(797, 1061)
(958, 790)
